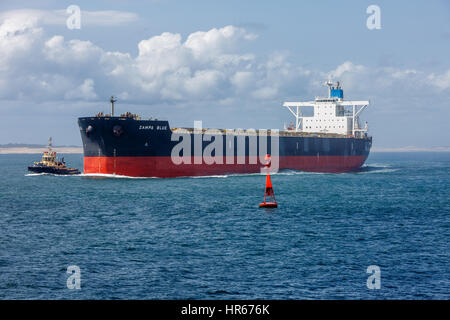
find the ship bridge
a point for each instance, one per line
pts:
(329, 115)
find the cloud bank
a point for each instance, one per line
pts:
(205, 66)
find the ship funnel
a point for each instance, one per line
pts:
(336, 92)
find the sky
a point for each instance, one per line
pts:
(230, 63)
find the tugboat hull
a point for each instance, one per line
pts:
(51, 170)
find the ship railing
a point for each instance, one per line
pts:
(285, 133)
(123, 115)
(220, 131)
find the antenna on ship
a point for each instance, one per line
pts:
(50, 145)
(112, 100)
(329, 83)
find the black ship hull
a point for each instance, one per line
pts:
(145, 148)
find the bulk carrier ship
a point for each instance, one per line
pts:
(328, 139)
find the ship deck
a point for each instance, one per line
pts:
(282, 133)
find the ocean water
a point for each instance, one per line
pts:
(206, 238)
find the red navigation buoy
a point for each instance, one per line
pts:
(269, 194)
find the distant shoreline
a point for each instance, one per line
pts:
(411, 149)
(25, 150)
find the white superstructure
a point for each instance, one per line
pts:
(330, 115)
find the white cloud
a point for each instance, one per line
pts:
(107, 18)
(83, 92)
(160, 54)
(441, 81)
(242, 79)
(265, 93)
(18, 35)
(71, 52)
(208, 44)
(346, 67)
(404, 74)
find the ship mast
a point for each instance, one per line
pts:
(50, 145)
(112, 100)
(330, 86)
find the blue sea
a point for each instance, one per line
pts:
(206, 238)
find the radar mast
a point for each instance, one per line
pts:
(112, 100)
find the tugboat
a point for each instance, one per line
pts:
(50, 164)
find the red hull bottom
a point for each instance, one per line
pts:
(163, 167)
